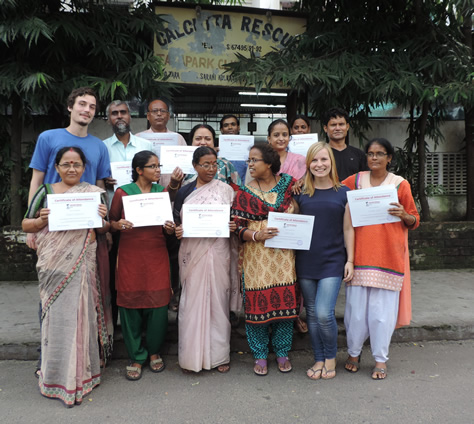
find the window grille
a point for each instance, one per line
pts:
(448, 170)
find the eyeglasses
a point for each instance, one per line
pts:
(208, 166)
(378, 155)
(75, 165)
(154, 166)
(158, 111)
(249, 161)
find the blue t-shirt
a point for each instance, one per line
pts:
(326, 256)
(51, 141)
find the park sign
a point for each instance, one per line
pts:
(197, 42)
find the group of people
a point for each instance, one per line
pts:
(150, 265)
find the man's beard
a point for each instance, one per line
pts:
(121, 128)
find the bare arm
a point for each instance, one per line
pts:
(349, 242)
(36, 180)
(100, 183)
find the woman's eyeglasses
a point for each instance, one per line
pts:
(378, 155)
(154, 166)
(249, 161)
(75, 165)
(208, 166)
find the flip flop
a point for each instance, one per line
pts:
(282, 360)
(262, 363)
(315, 373)
(325, 370)
(155, 362)
(382, 371)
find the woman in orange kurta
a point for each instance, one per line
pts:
(378, 297)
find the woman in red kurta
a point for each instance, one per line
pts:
(143, 273)
(378, 297)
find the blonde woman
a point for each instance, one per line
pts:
(330, 259)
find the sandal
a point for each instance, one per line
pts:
(157, 365)
(281, 361)
(315, 373)
(223, 368)
(301, 326)
(133, 373)
(378, 370)
(354, 363)
(262, 369)
(326, 371)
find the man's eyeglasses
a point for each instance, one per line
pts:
(378, 155)
(249, 161)
(208, 166)
(75, 165)
(154, 166)
(158, 111)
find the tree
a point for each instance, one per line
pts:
(365, 54)
(48, 47)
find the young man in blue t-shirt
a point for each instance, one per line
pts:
(82, 105)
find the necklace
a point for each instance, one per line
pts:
(261, 191)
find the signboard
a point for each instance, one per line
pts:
(196, 43)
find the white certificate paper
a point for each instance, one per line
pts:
(173, 156)
(158, 140)
(74, 211)
(300, 143)
(122, 172)
(294, 231)
(206, 220)
(235, 147)
(148, 209)
(369, 206)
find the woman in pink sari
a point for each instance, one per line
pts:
(204, 269)
(72, 312)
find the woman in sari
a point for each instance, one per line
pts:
(72, 314)
(379, 296)
(204, 269)
(143, 271)
(204, 135)
(269, 277)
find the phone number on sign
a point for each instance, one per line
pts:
(244, 47)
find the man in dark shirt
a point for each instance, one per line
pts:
(349, 159)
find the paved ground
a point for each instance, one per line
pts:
(442, 310)
(428, 382)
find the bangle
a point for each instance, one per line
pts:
(350, 262)
(173, 188)
(253, 235)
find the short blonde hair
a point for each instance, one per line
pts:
(314, 149)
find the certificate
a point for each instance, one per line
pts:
(294, 231)
(122, 172)
(206, 220)
(74, 211)
(369, 206)
(158, 140)
(235, 147)
(300, 143)
(144, 210)
(173, 156)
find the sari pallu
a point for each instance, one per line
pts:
(72, 313)
(204, 267)
(268, 274)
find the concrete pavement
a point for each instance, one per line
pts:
(443, 309)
